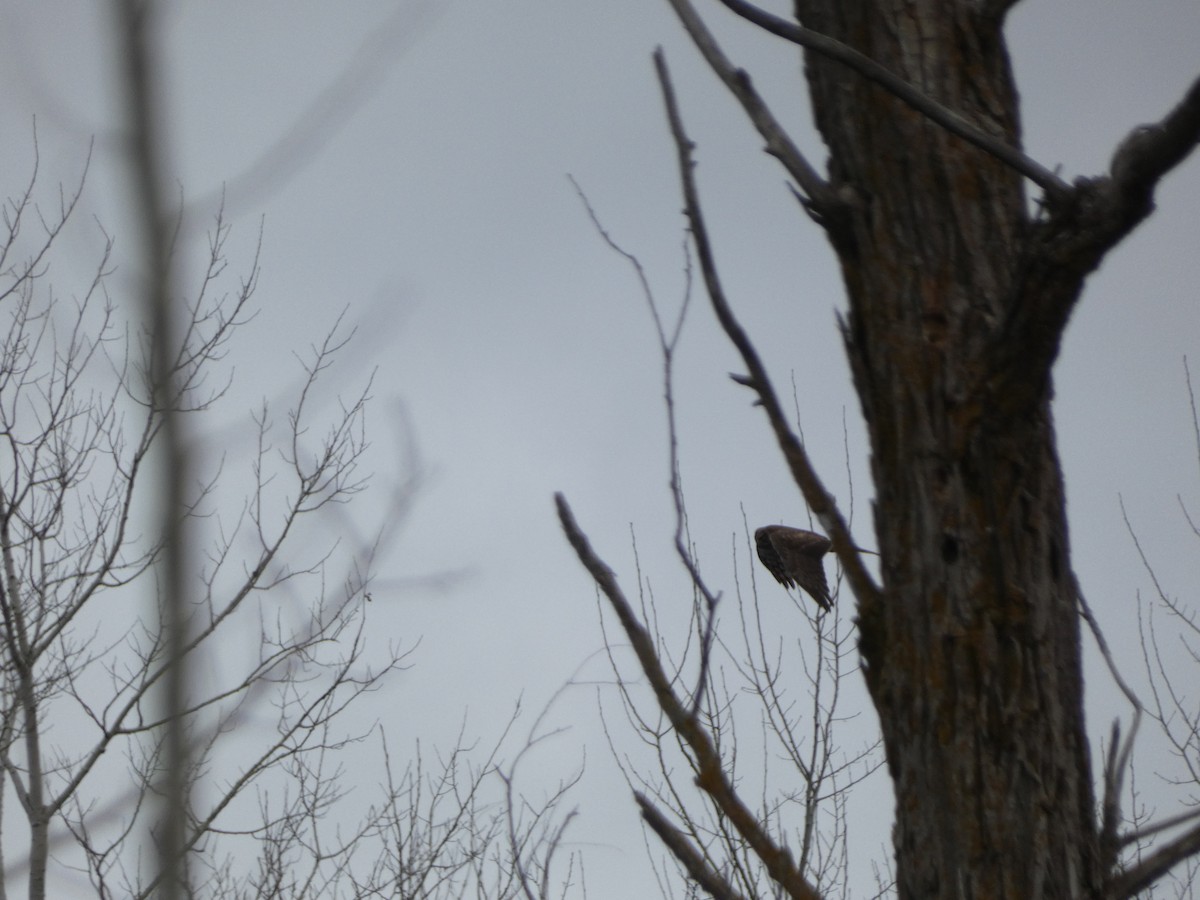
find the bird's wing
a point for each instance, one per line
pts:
(769, 556)
(801, 553)
(790, 542)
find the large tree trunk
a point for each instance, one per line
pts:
(973, 655)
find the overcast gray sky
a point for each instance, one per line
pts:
(429, 196)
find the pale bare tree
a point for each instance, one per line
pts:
(184, 605)
(84, 644)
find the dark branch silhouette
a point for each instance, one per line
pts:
(899, 88)
(815, 495)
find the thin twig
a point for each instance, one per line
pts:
(667, 345)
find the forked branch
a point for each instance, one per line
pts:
(898, 88)
(818, 192)
(818, 498)
(1065, 247)
(710, 777)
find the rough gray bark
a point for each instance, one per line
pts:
(973, 653)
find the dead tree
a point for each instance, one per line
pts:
(957, 299)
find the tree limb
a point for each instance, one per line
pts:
(1140, 876)
(1069, 243)
(818, 191)
(1151, 151)
(822, 503)
(697, 867)
(710, 776)
(1149, 831)
(901, 90)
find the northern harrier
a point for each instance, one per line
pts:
(793, 556)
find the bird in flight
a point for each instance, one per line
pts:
(793, 556)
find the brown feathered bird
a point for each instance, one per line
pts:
(793, 556)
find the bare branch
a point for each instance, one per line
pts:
(1159, 827)
(325, 115)
(1151, 151)
(1144, 873)
(710, 776)
(1081, 227)
(820, 500)
(823, 199)
(701, 872)
(903, 91)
